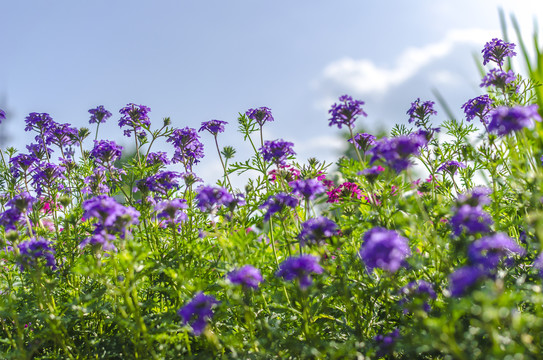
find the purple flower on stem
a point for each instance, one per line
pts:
(418, 288)
(134, 116)
(277, 151)
(471, 219)
(538, 264)
(188, 148)
(496, 50)
(38, 121)
(198, 312)
(464, 278)
(161, 182)
(478, 196)
(171, 210)
(34, 249)
(450, 166)
(479, 106)
(384, 249)
(106, 151)
(372, 173)
(490, 250)
(247, 276)
(307, 188)
(213, 126)
(209, 197)
(346, 112)
(47, 175)
(498, 78)
(386, 342)
(260, 115)
(300, 268)
(277, 203)
(317, 231)
(111, 215)
(505, 120)
(419, 112)
(99, 115)
(363, 141)
(157, 158)
(395, 152)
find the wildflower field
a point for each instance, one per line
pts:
(424, 244)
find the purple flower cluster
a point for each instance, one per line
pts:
(464, 278)
(346, 112)
(489, 251)
(96, 184)
(362, 141)
(188, 148)
(157, 158)
(50, 132)
(170, 210)
(479, 106)
(2, 115)
(198, 312)
(498, 78)
(317, 231)
(470, 220)
(106, 152)
(384, 249)
(496, 50)
(277, 151)
(260, 115)
(134, 116)
(386, 342)
(209, 197)
(99, 115)
(14, 209)
(505, 120)
(161, 182)
(34, 249)
(213, 126)
(418, 288)
(47, 175)
(300, 268)
(478, 196)
(276, 203)
(395, 152)
(372, 173)
(247, 276)
(308, 188)
(450, 166)
(420, 112)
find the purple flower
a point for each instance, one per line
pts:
(99, 115)
(20, 164)
(479, 106)
(47, 175)
(171, 210)
(277, 203)
(106, 151)
(277, 151)
(2, 115)
(307, 188)
(133, 116)
(489, 251)
(496, 50)
(34, 249)
(418, 288)
(478, 196)
(450, 166)
(9, 218)
(498, 78)
(161, 182)
(471, 219)
(463, 278)
(198, 312)
(346, 112)
(505, 120)
(538, 264)
(384, 249)
(317, 230)
(100, 239)
(188, 149)
(22, 202)
(38, 121)
(111, 215)
(209, 197)
(260, 115)
(363, 141)
(386, 342)
(300, 268)
(372, 173)
(213, 126)
(61, 135)
(96, 184)
(157, 158)
(247, 276)
(419, 112)
(395, 152)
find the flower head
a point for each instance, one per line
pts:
(209, 197)
(496, 50)
(395, 152)
(308, 188)
(106, 151)
(99, 115)
(478, 196)
(479, 106)
(276, 203)
(260, 115)
(347, 190)
(34, 249)
(213, 126)
(277, 151)
(498, 78)
(133, 116)
(362, 141)
(464, 278)
(419, 112)
(372, 173)
(247, 276)
(2, 115)
(471, 219)
(346, 112)
(317, 230)
(490, 250)
(188, 148)
(505, 120)
(300, 268)
(198, 312)
(384, 249)
(170, 210)
(451, 166)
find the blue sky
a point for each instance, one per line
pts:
(200, 60)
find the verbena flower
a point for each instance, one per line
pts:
(451, 166)
(317, 230)
(395, 152)
(479, 106)
(47, 175)
(538, 264)
(2, 115)
(471, 220)
(157, 158)
(347, 190)
(384, 249)
(477, 196)
(170, 210)
(101, 239)
(21, 163)
(99, 115)
(420, 111)
(372, 173)
(198, 312)
(462, 279)
(111, 215)
(300, 268)
(209, 197)
(362, 141)
(498, 78)
(247, 276)
(420, 288)
(38, 121)
(161, 182)
(307, 188)
(213, 126)
(188, 148)
(277, 151)
(496, 50)
(34, 249)
(261, 115)
(96, 184)
(386, 342)
(276, 203)
(346, 112)
(505, 120)
(134, 116)
(22, 202)
(490, 250)
(105, 151)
